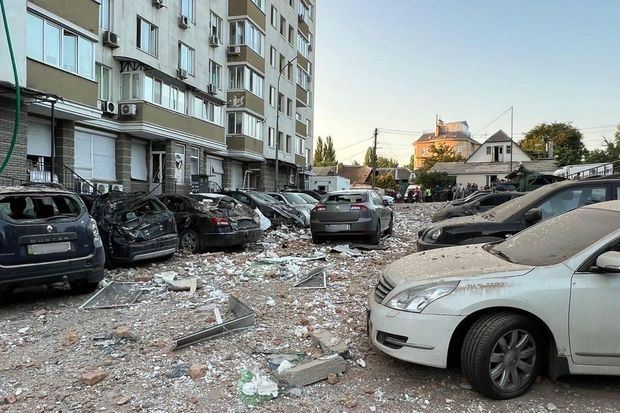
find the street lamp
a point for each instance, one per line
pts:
(278, 121)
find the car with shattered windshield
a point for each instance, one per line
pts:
(476, 205)
(276, 211)
(47, 236)
(212, 221)
(295, 201)
(505, 220)
(134, 226)
(543, 300)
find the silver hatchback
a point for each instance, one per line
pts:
(360, 213)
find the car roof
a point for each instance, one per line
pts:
(613, 206)
(6, 190)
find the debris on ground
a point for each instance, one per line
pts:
(254, 388)
(115, 294)
(315, 370)
(316, 278)
(346, 250)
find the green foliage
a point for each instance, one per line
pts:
(567, 142)
(432, 179)
(382, 161)
(611, 152)
(324, 154)
(411, 164)
(318, 152)
(386, 181)
(441, 153)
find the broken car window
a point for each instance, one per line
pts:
(345, 198)
(35, 207)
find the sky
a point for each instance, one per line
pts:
(395, 64)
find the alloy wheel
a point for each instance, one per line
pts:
(189, 241)
(512, 360)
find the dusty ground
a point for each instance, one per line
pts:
(47, 343)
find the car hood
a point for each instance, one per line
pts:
(463, 262)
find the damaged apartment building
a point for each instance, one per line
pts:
(154, 95)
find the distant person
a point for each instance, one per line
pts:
(454, 192)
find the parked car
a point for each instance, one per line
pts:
(295, 201)
(476, 205)
(471, 197)
(360, 213)
(314, 194)
(273, 209)
(212, 220)
(543, 299)
(47, 236)
(309, 198)
(133, 226)
(513, 216)
(390, 200)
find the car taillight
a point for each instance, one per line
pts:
(319, 207)
(95, 229)
(358, 207)
(220, 222)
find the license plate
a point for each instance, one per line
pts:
(337, 227)
(50, 248)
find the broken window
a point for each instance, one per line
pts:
(33, 207)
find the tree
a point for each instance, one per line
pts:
(611, 152)
(567, 142)
(318, 152)
(411, 164)
(329, 154)
(382, 161)
(440, 153)
(386, 181)
(432, 179)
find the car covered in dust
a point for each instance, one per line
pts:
(134, 226)
(270, 207)
(212, 221)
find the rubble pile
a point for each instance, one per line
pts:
(308, 344)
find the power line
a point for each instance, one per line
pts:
(353, 144)
(493, 121)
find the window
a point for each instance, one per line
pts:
(274, 17)
(272, 96)
(187, 9)
(102, 75)
(60, 47)
(308, 127)
(186, 58)
(241, 123)
(303, 46)
(95, 156)
(303, 10)
(299, 150)
(308, 156)
(158, 92)
(260, 4)
(147, 37)
(206, 110)
(273, 57)
(289, 107)
(179, 163)
(280, 142)
(138, 161)
(280, 102)
(489, 150)
(271, 138)
(572, 198)
(282, 26)
(302, 77)
(242, 77)
(508, 149)
(289, 72)
(105, 15)
(194, 163)
(291, 34)
(282, 62)
(215, 73)
(243, 32)
(217, 27)
(288, 144)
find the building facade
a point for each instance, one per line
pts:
(452, 134)
(144, 95)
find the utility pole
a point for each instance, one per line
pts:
(511, 128)
(374, 159)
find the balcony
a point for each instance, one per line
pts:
(302, 96)
(55, 81)
(300, 160)
(301, 128)
(247, 8)
(84, 13)
(245, 144)
(250, 56)
(245, 99)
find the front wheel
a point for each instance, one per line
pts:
(501, 355)
(189, 241)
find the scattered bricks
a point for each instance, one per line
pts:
(197, 371)
(122, 332)
(10, 399)
(122, 400)
(93, 377)
(315, 370)
(330, 344)
(332, 378)
(143, 278)
(70, 339)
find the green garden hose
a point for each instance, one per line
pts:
(18, 97)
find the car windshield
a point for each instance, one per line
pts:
(38, 207)
(559, 238)
(505, 211)
(294, 199)
(309, 199)
(345, 198)
(264, 198)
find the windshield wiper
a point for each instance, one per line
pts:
(500, 254)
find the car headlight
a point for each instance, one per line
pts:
(416, 299)
(433, 234)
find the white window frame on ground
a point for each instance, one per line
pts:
(139, 166)
(103, 76)
(302, 77)
(273, 57)
(186, 58)
(215, 74)
(147, 36)
(303, 45)
(194, 162)
(271, 138)
(243, 77)
(245, 33)
(53, 44)
(242, 123)
(105, 15)
(260, 4)
(300, 146)
(272, 96)
(188, 9)
(207, 111)
(217, 27)
(95, 156)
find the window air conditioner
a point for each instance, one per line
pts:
(182, 73)
(117, 187)
(110, 39)
(158, 3)
(214, 41)
(211, 89)
(183, 22)
(103, 188)
(234, 50)
(128, 109)
(108, 107)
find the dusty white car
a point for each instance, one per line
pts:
(547, 299)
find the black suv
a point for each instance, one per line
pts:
(47, 236)
(513, 216)
(476, 205)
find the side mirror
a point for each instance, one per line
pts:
(477, 204)
(533, 216)
(385, 203)
(609, 261)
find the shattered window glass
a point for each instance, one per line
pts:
(345, 198)
(33, 207)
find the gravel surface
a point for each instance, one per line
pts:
(55, 357)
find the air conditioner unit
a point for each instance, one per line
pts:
(128, 109)
(234, 50)
(211, 89)
(108, 107)
(183, 22)
(182, 73)
(158, 3)
(300, 17)
(116, 187)
(103, 188)
(110, 39)
(214, 41)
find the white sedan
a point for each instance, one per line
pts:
(547, 299)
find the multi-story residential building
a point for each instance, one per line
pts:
(146, 94)
(452, 134)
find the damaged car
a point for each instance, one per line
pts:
(276, 211)
(133, 226)
(476, 205)
(211, 221)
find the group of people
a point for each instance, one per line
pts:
(461, 191)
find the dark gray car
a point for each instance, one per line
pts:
(360, 213)
(476, 205)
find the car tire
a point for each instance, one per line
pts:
(499, 349)
(83, 287)
(390, 229)
(376, 237)
(189, 241)
(316, 239)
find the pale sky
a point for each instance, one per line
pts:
(394, 64)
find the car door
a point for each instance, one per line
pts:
(571, 198)
(594, 305)
(380, 209)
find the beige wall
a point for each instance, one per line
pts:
(67, 85)
(244, 143)
(84, 13)
(467, 148)
(250, 101)
(250, 56)
(247, 8)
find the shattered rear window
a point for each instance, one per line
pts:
(345, 198)
(148, 208)
(294, 199)
(38, 207)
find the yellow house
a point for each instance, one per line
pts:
(453, 134)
